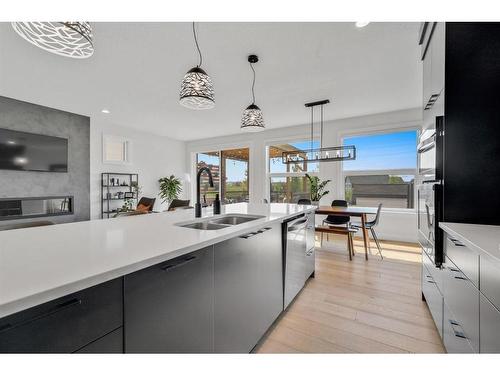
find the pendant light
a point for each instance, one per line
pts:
(252, 119)
(70, 39)
(314, 155)
(197, 91)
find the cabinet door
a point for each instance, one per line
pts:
(269, 276)
(65, 324)
(111, 343)
(490, 279)
(454, 338)
(438, 56)
(433, 298)
(490, 327)
(169, 306)
(248, 288)
(462, 298)
(236, 295)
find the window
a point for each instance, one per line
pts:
(384, 169)
(230, 175)
(287, 182)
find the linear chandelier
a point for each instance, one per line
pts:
(321, 154)
(70, 39)
(197, 90)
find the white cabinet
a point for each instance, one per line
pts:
(490, 327)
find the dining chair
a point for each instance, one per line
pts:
(336, 220)
(304, 201)
(370, 225)
(178, 203)
(145, 204)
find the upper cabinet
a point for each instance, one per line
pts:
(432, 41)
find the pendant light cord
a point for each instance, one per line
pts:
(253, 84)
(197, 46)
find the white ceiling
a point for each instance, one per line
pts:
(137, 68)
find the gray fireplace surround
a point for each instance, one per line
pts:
(32, 118)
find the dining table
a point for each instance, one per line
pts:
(356, 211)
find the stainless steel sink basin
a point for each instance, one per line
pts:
(215, 223)
(204, 225)
(235, 219)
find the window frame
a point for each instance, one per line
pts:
(373, 172)
(269, 174)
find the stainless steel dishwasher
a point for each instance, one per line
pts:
(295, 249)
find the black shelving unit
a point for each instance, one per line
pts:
(112, 184)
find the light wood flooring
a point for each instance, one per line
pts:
(361, 306)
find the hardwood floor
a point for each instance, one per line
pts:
(361, 306)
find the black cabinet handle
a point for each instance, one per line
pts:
(182, 262)
(431, 281)
(248, 235)
(57, 308)
(457, 333)
(460, 278)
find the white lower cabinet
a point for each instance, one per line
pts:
(489, 327)
(433, 298)
(454, 338)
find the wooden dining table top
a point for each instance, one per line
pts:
(350, 210)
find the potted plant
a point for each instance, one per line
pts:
(170, 188)
(317, 188)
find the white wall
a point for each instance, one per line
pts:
(395, 225)
(151, 156)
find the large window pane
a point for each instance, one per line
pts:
(230, 174)
(289, 189)
(275, 160)
(384, 170)
(235, 172)
(370, 190)
(212, 161)
(383, 151)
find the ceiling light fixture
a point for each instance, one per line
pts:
(252, 119)
(361, 24)
(197, 91)
(314, 155)
(70, 39)
(106, 111)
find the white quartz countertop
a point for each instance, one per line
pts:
(43, 263)
(481, 238)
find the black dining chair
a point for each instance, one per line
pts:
(178, 203)
(304, 201)
(370, 225)
(336, 220)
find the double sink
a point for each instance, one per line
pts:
(220, 222)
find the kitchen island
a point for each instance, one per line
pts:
(144, 283)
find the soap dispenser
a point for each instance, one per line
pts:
(216, 205)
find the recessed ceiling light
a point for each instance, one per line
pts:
(361, 24)
(11, 142)
(105, 111)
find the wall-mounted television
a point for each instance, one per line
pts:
(22, 151)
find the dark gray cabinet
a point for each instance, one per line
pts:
(112, 343)
(66, 324)
(248, 283)
(169, 306)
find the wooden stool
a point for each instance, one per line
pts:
(340, 230)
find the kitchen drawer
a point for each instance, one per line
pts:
(490, 279)
(454, 338)
(436, 272)
(111, 343)
(464, 258)
(462, 298)
(490, 327)
(65, 324)
(433, 298)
